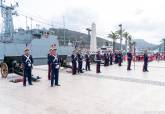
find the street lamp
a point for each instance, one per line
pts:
(89, 32)
(121, 36)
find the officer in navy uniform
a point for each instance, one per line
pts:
(110, 57)
(27, 61)
(49, 65)
(74, 62)
(55, 64)
(98, 62)
(129, 59)
(87, 60)
(145, 69)
(116, 57)
(120, 56)
(80, 61)
(106, 59)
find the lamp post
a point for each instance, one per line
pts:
(89, 33)
(121, 29)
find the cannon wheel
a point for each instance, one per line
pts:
(4, 70)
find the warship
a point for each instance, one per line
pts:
(13, 42)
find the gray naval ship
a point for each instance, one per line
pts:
(13, 42)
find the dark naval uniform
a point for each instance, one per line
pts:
(111, 58)
(106, 59)
(55, 64)
(145, 63)
(87, 60)
(27, 61)
(49, 67)
(98, 62)
(74, 63)
(80, 62)
(120, 56)
(129, 59)
(116, 58)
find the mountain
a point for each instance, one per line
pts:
(142, 44)
(77, 38)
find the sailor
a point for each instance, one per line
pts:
(145, 69)
(120, 56)
(74, 62)
(49, 64)
(27, 61)
(98, 62)
(116, 57)
(87, 60)
(80, 61)
(110, 57)
(129, 59)
(55, 64)
(106, 59)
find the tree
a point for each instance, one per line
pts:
(130, 42)
(126, 35)
(114, 37)
(120, 34)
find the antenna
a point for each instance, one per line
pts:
(7, 13)
(1, 8)
(64, 29)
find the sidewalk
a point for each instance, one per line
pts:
(114, 91)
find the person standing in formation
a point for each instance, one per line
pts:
(106, 59)
(98, 62)
(145, 66)
(74, 62)
(80, 61)
(120, 56)
(105, 64)
(116, 57)
(27, 61)
(110, 57)
(49, 65)
(129, 59)
(55, 64)
(87, 60)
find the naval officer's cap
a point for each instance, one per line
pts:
(26, 49)
(54, 48)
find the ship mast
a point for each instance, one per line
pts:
(7, 13)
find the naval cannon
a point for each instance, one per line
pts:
(13, 64)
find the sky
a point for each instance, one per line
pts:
(143, 19)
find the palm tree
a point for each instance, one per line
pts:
(120, 33)
(126, 34)
(130, 42)
(114, 37)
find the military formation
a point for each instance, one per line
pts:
(78, 58)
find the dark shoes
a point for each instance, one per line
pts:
(55, 85)
(58, 85)
(145, 71)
